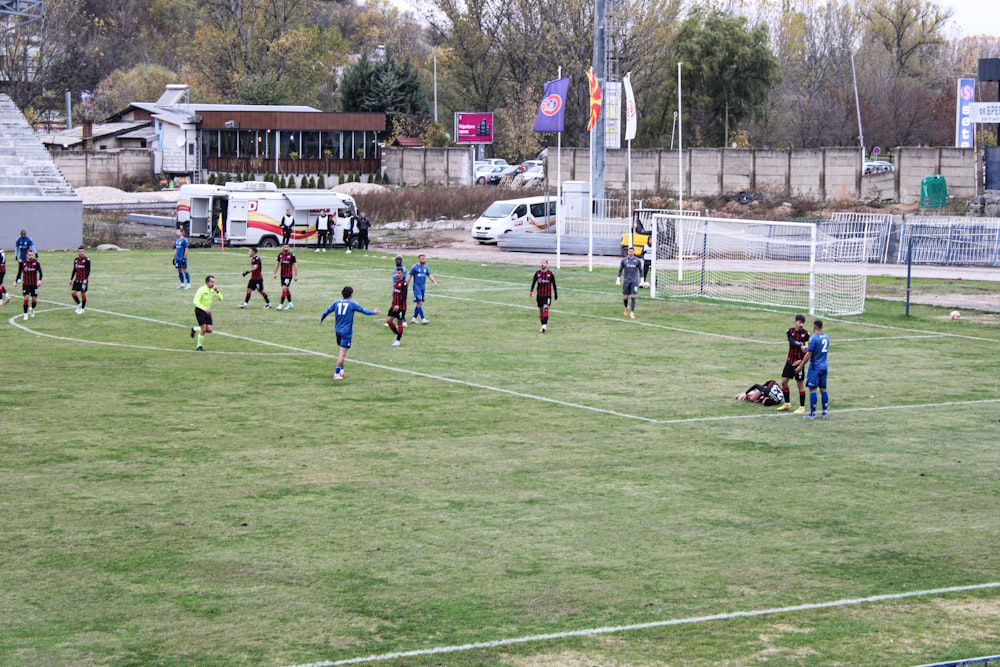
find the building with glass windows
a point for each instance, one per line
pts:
(192, 140)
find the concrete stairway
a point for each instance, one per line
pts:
(26, 168)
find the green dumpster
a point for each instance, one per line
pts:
(933, 192)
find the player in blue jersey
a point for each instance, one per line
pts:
(419, 273)
(181, 260)
(819, 346)
(343, 310)
(22, 245)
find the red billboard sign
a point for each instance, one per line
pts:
(473, 128)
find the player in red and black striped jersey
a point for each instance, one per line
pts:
(289, 273)
(397, 311)
(4, 294)
(798, 340)
(545, 280)
(256, 282)
(29, 274)
(79, 279)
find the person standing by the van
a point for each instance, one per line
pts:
(287, 222)
(352, 222)
(545, 280)
(364, 224)
(289, 273)
(323, 231)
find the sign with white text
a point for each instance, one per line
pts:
(473, 128)
(985, 112)
(965, 129)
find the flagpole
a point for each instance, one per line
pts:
(560, 215)
(680, 143)
(590, 207)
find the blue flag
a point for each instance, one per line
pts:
(553, 106)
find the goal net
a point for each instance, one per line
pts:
(790, 265)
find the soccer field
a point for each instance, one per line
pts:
(485, 494)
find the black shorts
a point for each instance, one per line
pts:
(398, 312)
(79, 287)
(255, 285)
(790, 372)
(29, 290)
(630, 288)
(543, 301)
(203, 316)
(285, 282)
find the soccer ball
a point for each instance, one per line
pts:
(646, 284)
(956, 315)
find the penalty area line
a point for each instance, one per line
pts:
(591, 632)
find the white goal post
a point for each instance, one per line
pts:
(768, 263)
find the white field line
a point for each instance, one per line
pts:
(591, 632)
(465, 383)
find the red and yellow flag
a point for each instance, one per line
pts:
(595, 99)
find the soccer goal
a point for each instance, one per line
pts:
(790, 265)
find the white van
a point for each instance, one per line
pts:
(529, 214)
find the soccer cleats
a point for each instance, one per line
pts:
(280, 306)
(267, 305)
(199, 349)
(631, 315)
(811, 415)
(395, 343)
(424, 321)
(192, 332)
(784, 407)
(31, 312)
(626, 312)
(824, 415)
(244, 304)
(338, 376)
(545, 328)
(800, 410)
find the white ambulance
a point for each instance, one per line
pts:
(250, 212)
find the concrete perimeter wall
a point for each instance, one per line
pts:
(110, 168)
(52, 223)
(825, 174)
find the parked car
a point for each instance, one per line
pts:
(515, 215)
(483, 175)
(532, 176)
(878, 167)
(496, 177)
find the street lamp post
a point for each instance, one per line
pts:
(436, 50)
(857, 105)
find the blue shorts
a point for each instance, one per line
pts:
(181, 263)
(344, 341)
(816, 378)
(418, 295)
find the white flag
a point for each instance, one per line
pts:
(630, 111)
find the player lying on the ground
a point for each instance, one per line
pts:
(768, 393)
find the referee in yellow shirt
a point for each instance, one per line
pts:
(203, 299)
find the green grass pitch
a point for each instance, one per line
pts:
(457, 499)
